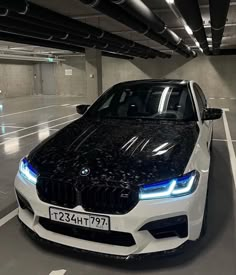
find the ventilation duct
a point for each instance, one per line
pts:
(17, 5)
(191, 13)
(24, 33)
(218, 13)
(132, 16)
(54, 45)
(37, 42)
(30, 58)
(142, 12)
(67, 34)
(119, 56)
(22, 21)
(45, 18)
(80, 41)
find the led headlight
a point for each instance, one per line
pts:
(27, 171)
(181, 186)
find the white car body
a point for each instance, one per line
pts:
(192, 205)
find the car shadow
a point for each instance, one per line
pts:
(220, 205)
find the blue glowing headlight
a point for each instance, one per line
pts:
(27, 171)
(181, 186)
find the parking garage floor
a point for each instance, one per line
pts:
(24, 122)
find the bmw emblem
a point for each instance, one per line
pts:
(84, 171)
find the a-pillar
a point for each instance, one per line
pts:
(93, 66)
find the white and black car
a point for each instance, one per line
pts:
(129, 177)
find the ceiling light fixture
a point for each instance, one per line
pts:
(171, 2)
(188, 30)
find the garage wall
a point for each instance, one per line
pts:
(16, 79)
(67, 78)
(216, 75)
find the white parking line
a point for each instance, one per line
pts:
(30, 134)
(230, 145)
(224, 140)
(8, 217)
(27, 111)
(10, 126)
(58, 272)
(36, 125)
(219, 139)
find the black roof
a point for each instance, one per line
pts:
(160, 81)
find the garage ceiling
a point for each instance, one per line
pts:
(77, 10)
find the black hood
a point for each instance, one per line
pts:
(116, 151)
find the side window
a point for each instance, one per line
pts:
(202, 96)
(199, 100)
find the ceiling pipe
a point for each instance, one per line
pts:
(46, 16)
(191, 13)
(143, 13)
(80, 42)
(107, 54)
(24, 33)
(57, 44)
(218, 14)
(49, 32)
(129, 18)
(17, 5)
(52, 17)
(45, 24)
(24, 52)
(49, 44)
(69, 34)
(119, 56)
(38, 42)
(23, 25)
(30, 58)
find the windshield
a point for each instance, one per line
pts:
(145, 101)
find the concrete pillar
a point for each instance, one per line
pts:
(93, 67)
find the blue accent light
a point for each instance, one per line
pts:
(27, 171)
(181, 186)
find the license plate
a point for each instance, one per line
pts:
(79, 219)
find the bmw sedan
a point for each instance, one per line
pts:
(127, 178)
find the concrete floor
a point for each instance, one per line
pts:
(24, 122)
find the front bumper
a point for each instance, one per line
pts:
(145, 213)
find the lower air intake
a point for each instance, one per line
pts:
(107, 237)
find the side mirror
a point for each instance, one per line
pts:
(82, 108)
(212, 114)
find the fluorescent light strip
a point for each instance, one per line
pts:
(188, 30)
